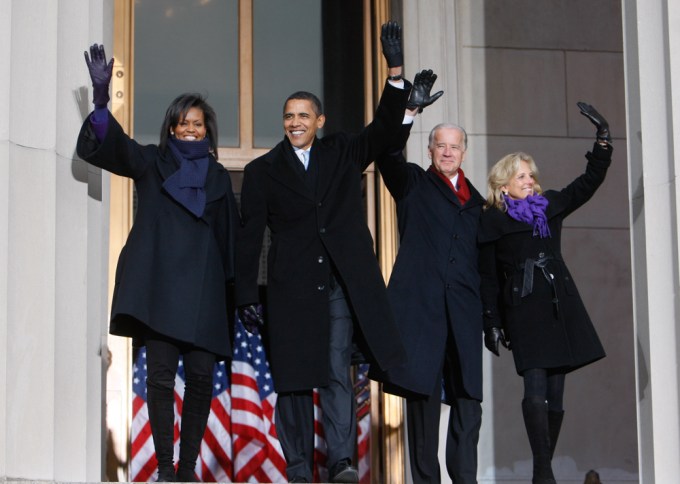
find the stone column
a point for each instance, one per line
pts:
(54, 221)
(652, 56)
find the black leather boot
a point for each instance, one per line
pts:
(554, 427)
(160, 402)
(535, 412)
(195, 412)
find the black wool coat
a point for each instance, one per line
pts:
(434, 286)
(543, 334)
(315, 232)
(174, 271)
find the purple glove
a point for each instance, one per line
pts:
(100, 73)
(251, 317)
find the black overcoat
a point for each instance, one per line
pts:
(174, 270)
(313, 233)
(543, 334)
(434, 286)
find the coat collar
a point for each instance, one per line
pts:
(217, 182)
(285, 168)
(475, 198)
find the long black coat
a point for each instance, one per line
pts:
(434, 286)
(174, 269)
(313, 232)
(541, 336)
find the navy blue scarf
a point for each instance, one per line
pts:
(187, 185)
(530, 210)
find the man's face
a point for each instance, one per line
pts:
(447, 150)
(300, 122)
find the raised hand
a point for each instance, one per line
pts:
(597, 119)
(251, 317)
(390, 39)
(100, 73)
(420, 96)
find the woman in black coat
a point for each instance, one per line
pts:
(171, 281)
(528, 294)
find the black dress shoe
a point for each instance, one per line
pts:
(343, 471)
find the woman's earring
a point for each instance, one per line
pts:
(172, 133)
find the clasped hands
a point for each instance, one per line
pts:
(251, 315)
(493, 337)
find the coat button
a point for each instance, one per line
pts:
(322, 230)
(319, 204)
(321, 287)
(455, 236)
(452, 260)
(320, 259)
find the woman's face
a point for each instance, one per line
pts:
(192, 127)
(521, 185)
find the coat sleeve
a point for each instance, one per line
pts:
(249, 236)
(385, 128)
(394, 167)
(490, 287)
(117, 152)
(584, 187)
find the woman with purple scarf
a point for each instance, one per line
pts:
(528, 294)
(173, 274)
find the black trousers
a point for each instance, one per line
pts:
(295, 410)
(465, 420)
(162, 360)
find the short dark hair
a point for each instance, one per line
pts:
(177, 111)
(306, 96)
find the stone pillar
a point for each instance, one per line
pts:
(652, 55)
(54, 221)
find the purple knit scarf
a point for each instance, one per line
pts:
(530, 210)
(187, 184)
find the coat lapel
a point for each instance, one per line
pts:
(166, 165)
(284, 170)
(325, 168)
(444, 188)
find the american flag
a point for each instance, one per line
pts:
(240, 443)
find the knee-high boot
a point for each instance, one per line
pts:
(195, 412)
(160, 402)
(535, 412)
(554, 426)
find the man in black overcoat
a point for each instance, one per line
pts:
(434, 291)
(324, 285)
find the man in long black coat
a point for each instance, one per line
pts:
(324, 284)
(434, 291)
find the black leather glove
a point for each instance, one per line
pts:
(251, 317)
(598, 120)
(100, 73)
(420, 92)
(390, 39)
(493, 336)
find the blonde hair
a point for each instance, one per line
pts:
(502, 172)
